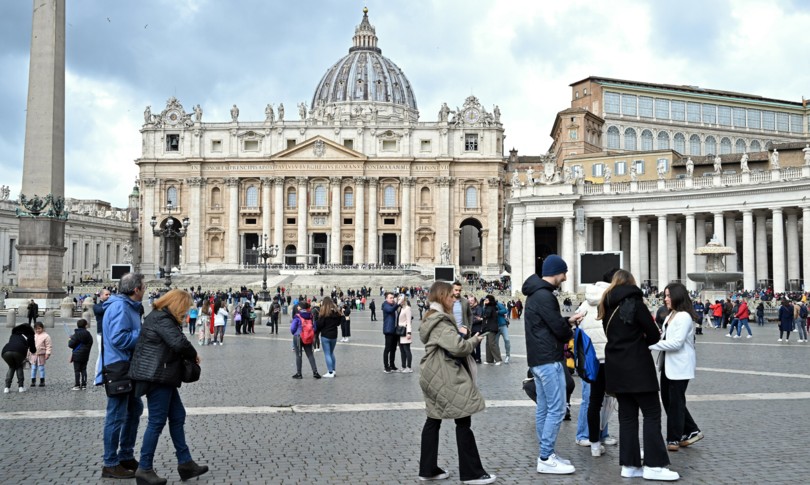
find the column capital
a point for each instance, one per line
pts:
(607, 218)
(408, 181)
(266, 181)
(777, 210)
(232, 181)
(360, 181)
(278, 181)
(149, 182)
(747, 211)
(634, 217)
(335, 180)
(494, 182)
(373, 181)
(195, 181)
(689, 215)
(301, 181)
(443, 181)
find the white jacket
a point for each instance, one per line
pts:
(678, 344)
(589, 324)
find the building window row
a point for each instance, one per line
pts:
(679, 144)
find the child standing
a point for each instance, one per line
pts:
(81, 342)
(43, 344)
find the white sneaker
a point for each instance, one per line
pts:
(663, 474)
(506, 360)
(736, 336)
(632, 472)
(779, 340)
(407, 370)
(6, 390)
(329, 375)
(22, 389)
(553, 465)
(317, 350)
(610, 441)
(584, 442)
(498, 363)
(597, 449)
(750, 336)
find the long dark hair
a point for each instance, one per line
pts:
(680, 301)
(620, 278)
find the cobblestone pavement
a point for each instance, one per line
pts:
(251, 423)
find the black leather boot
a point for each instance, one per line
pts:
(148, 477)
(190, 469)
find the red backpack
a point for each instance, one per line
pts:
(307, 330)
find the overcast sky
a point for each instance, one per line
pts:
(520, 55)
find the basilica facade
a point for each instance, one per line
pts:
(354, 178)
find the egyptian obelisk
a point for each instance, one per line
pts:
(41, 245)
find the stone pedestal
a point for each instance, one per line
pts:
(87, 310)
(11, 318)
(66, 307)
(50, 318)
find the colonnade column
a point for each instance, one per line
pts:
(778, 242)
(373, 253)
(267, 185)
(749, 264)
(700, 241)
(607, 234)
(568, 252)
(717, 228)
(192, 252)
(406, 234)
(515, 256)
(761, 247)
(233, 220)
(617, 242)
(793, 270)
(442, 212)
(625, 245)
(148, 256)
(359, 220)
(301, 245)
(806, 247)
(644, 249)
(672, 253)
(689, 252)
(529, 256)
(663, 270)
(334, 237)
(731, 241)
(493, 201)
(653, 252)
(635, 250)
(278, 217)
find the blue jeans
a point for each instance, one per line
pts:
(761, 320)
(550, 383)
(121, 428)
(582, 419)
(164, 403)
(799, 324)
(735, 323)
(743, 322)
(503, 331)
(328, 346)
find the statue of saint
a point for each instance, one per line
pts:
(269, 115)
(633, 174)
(497, 113)
(529, 176)
(281, 111)
(744, 163)
(806, 151)
(444, 113)
(718, 165)
(198, 113)
(234, 114)
(445, 253)
(662, 169)
(302, 111)
(775, 159)
(147, 115)
(690, 167)
(608, 174)
(515, 179)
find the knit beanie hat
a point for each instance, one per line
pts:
(554, 265)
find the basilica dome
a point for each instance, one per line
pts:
(366, 77)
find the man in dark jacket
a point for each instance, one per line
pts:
(98, 311)
(389, 309)
(547, 331)
(33, 312)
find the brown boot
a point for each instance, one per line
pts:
(116, 471)
(148, 477)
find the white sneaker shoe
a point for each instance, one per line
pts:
(663, 474)
(329, 375)
(632, 472)
(22, 389)
(750, 336)
(506, 360)
(6, 390)
(553, 465)
(779, 340)
(736, 336)
(610, 441)
(728, 335)
(584, 442)
(597, 449)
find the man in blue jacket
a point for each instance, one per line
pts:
(389, 308)
(547, 331)
(121, 328)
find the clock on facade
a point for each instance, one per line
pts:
(472, 115)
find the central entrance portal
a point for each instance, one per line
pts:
(389, 250)
(319, 246)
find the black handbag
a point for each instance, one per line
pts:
(191, 371)
(401, 331)
(116, 379)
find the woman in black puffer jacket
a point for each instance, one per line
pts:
(157, 369)
(19, 344)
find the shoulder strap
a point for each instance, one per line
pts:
(611, 318)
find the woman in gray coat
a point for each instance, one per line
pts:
(449, 389)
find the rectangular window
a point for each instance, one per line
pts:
(612, 101)
(172, 143)
(598, 170)
(782, 120)
(768, 121)
(724, 115)
(577, 171)
(389, 145)
(216, 146)
(662, 109)
(290, 143)
(12, 250)
(424, 145)
(710, 113)
(291, 220)
(348, 143)
(347, 221)
(348, 199)
(645, 107)
(754, 119)
(664, 162)
(250, 221)
(251, 145)
(678, 110)
(693, 112)
(620, 168)
(471, 142)
(796, 124)
(629, 105)
(291, 199)
(739, 117)
(639, 164)
(389, 221)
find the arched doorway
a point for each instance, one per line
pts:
(348, 255)
(290, 252)
(469, 244)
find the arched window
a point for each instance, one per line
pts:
(320, 196)
(471, 198)
(694, 145)
(389, 196)
(679, 143)
(216, 198)
(663, 140)
(646, 140)
(424, 197)
(755, 146)
(216, 246)
(171, 196)
(348, 197)
(252, 197)
(613, 138)
(629, 139)
(739, 146)
(725, 146)
(711, 146)
(291, 198)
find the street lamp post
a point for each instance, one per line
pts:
(266, 252)
(169, 234)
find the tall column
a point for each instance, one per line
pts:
(41, 243)
(580, 246)
(359, 220)
(529, 255)
(617, 246)
(233, 220)
(568, 252)
(717, 228)
(731, 241)
(334, 240)
(635, 250)
(302, 202)
(653, 252)
(762, 247)
(278, 218)
(494, 225)
(625, 244)
(149, 263)
(644, 249)
(516, 251)
(589, 236)
(700, 241)
(607, 233)
(793, 269)
(373, 216)
(778, 243)
(689, 252)
(443, 216)
(749, 264)
(806, 247)
(663, 261)
(193, 256)
(267, 186)
(406, 234)
(672, 254)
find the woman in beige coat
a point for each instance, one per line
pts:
(449, 389)
(404, 320)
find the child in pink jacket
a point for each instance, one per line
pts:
(43, 343)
